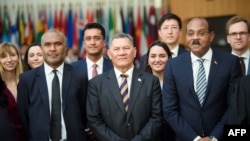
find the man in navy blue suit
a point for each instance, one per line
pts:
(36, 95)
(193, 117)
(94, 44)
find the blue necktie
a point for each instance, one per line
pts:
(124, 90)
(201, 84)
(55, 127)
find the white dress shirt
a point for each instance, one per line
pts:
(99, 67)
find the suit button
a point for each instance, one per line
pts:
(128, 124)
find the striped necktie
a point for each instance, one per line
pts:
(124, 90)
(201, 83)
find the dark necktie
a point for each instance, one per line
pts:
(243, 67)
(94, 71)
(55, 127)
(124, 91)
(201, 83)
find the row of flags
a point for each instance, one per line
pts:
(26, 29)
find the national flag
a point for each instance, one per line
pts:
(29, 29)
(130, 27)
(6, 26)
(152, 27)
(22, 28)
(50, 20)
(70, 28)
(75, 31)
(99, 15)
(80, 34)
(118, 21)
(62, 21)
(138, 33)
(56, 24)
(143, 44)
(111, 24)
(40, 26)
(89, 16)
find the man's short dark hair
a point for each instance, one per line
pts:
(169, 16)
(94, 25)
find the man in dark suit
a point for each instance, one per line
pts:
(197, 85)
(238, 29)
(94, 44)
(36, 96)
(132, 115)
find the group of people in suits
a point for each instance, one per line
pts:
(109, 99)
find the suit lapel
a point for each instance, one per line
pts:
(136, 84)
(112, 84)
(41, 80)
(65, 83)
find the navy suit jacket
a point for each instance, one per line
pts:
(181, 106)
(82, 65)
(106, 112)
(33, 103)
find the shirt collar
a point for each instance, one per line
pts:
(98, 62)
(245, 54)
(206, 56)
(174, 51)
(129, 72)
(49, 69)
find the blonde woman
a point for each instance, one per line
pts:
(10, 69)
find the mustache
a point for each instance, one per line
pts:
(196, 42)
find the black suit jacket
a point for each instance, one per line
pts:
(106, 113)
(33, 103)
(239, 108)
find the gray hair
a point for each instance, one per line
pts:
(122, 35)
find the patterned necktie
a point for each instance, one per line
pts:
(94, 71)
(243, 67)
(201, 83)
(55, 127)
(124, 90)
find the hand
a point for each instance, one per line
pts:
(90, 134)
(205, 139)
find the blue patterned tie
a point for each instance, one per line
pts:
(201, 83)
(124, 90)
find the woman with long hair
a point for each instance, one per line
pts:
(10, 69)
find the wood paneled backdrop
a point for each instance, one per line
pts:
(187, 9)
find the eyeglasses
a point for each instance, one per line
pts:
(235, 34)
(199, 34)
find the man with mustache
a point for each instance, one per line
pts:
(196, 86)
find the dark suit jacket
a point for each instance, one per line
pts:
(82, 65)
(181, 106)
(239, 109)
(106, 113)
(33, 103)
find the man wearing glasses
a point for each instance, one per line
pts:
(237, 29)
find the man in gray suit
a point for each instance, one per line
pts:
(111, 117)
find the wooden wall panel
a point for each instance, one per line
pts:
(187, 9)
